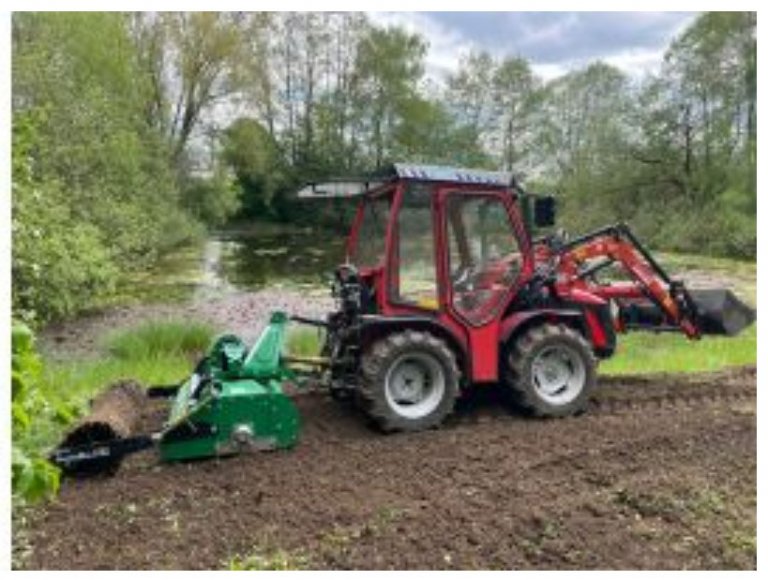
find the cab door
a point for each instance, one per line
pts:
(485, 258)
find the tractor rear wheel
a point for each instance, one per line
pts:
(550, 371)
(409, 381)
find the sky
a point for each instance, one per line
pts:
(554, 42)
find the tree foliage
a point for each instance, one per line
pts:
(130, 130)
(94, 191)
(346, 97)
(251, 152)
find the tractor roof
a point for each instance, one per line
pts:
(350, 187)
(451, 174)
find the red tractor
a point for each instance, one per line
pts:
(444, 287)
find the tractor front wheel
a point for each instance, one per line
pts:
(550, 371)
(409, 381)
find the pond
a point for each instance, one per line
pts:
(239, 260)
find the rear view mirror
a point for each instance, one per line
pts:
(544, 211)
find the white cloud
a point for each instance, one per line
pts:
(448, 43)
(637, 63)
(549, 71)
(553, 31)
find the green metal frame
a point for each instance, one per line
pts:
(235, 401)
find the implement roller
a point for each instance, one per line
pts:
(443, 288)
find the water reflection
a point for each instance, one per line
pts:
(299, 258)
(238, 261)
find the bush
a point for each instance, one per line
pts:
(717, 228)
(32, 476)
(723, 226)
(56, 268)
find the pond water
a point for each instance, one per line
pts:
(299, 257)
(240, 260)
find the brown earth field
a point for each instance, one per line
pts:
(660, 473)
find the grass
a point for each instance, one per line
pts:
(157, 339)
(645, 353)
(303, 341)
(744, 268)
(271, 560)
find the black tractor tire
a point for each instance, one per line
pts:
(389, 362)
(531, 352)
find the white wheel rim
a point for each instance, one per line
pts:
(415, 385)
(558, 374)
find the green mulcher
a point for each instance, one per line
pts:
(233, 402)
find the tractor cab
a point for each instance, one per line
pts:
(439, 249)
(439, 241)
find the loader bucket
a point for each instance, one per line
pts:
(720, 312)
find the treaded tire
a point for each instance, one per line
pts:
(378, 361)
(519, 377)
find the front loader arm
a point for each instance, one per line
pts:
(617, 245)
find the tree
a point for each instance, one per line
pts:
(470, 93)
(111, 111)
(94, 191)
(194, 61)
(514, 90)
(699, 136)
(388, 67)
(426, 132)
(253, 155)
(213, 200)
(709, 80)
(494, 101)
(580, 144)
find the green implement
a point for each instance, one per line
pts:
(233, 402)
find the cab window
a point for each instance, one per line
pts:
(484, 254)
(371, 237)
(415, 280)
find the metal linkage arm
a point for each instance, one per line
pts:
(618, 244)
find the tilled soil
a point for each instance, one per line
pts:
(659, 473)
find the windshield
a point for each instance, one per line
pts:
(370, 247)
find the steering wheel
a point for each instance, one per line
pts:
(463, 279)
